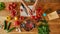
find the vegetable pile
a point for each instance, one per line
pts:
(43, 28)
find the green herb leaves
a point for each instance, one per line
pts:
(2, 5)
(43, 28)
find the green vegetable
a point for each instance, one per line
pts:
(2, 5)
(5, 25)
(8, 26)
(43, 28)
(11, 29)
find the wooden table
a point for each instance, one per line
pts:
(53, 24)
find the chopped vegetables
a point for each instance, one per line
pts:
(28, 25)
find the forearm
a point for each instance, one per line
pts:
(36, 3)
(25, 5)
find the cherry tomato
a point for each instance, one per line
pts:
(33, 17)
(13, 13)
(31, 25)
(16, 23)
(12, 6)
(38, 10)
(21, 17)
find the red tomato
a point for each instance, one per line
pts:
(31, 25)
(38, 10)
(10, 7)
(27, 25)
(13, 12)
(14, 5)
(21, 17)
(34, 17)
(16, 23)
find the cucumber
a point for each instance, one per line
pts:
(8, 26)
(11, 29)
(5, 25)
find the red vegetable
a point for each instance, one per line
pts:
(21, 17)
(13, 12)
(34, 17)
(16, 23)
(12, 6)
(38, 11)
(31, 25)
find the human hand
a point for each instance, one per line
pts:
(33, 9)
(29, 11)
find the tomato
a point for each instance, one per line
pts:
(31, 25)
(13, 12)
(16, 23)
(12, 6)
(21, 17)
(34, 17)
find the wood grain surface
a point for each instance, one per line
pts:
(54, 25)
